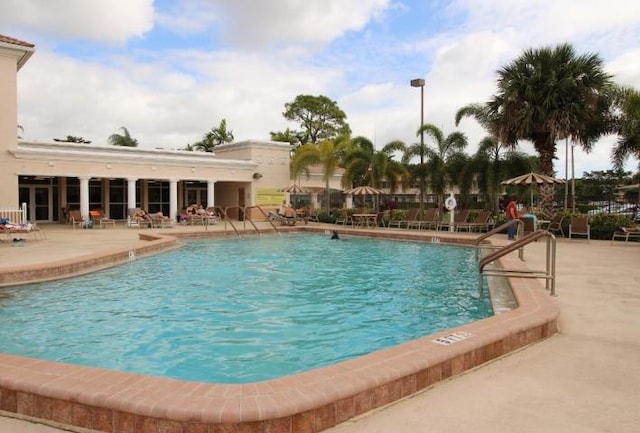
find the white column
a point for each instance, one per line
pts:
(314, 200)
(173, 198)
(131, 192)
(84, 197)
(349, 201)
(211, 192)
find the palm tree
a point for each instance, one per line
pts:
(487, 160)
(364, 165)
(548, 94)
(326, 154)
(627, 126)
(436, 164)
(123, 140)
(213, 138)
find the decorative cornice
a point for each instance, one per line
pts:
(131, 155)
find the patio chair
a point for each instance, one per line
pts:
(626, 233)
(99, 220)
(555, 225)
(76, 219)
(160, 221)
(459, 218)
(412, 215)
(479, 222)
(580, 226)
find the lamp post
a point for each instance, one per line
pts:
(566, 174)
(419, 82)
(573, 181)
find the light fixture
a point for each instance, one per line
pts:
(257, 175)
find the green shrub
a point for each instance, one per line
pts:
(604, 225)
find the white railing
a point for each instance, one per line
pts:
(15, 215)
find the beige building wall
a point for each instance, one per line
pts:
(8, 124)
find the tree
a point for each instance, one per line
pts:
(488, 162)
(627, 125)
(364, 165)
(319, 117)
(435, 167)
(548, 94)
(324, 154)
(123, 140)
(72, 139)
(286, 136)
(215, 137)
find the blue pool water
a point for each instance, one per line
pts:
(243, 310)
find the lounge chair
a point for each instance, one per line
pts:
(76, 219)
(626, 233)
(580, 226)
(282, 220)
(459, 218)
(412, 215)
(479, 222)
(160, 221)
(99, 220)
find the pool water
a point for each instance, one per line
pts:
(248, 309)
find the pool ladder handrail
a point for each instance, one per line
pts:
(227, 220)
(266, 217)
(549, 273)
(500, 229)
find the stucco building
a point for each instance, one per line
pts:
(54, 176)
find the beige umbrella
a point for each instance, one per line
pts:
(364, 190)
(295, 190)
(531, 179)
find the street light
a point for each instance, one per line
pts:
(419, 82)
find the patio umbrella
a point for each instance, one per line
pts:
(295, 190)
(531, 179)
(364, 191)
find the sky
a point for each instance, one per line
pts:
(170, 70)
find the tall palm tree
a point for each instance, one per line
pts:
(123, 140)
(627, 126)
(436, 158)
(548, 94)
(326, 154)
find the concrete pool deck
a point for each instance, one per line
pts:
(584, 379)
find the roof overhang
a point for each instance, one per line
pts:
(57, 151)
(21, 53)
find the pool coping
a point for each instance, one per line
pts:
(312, 401)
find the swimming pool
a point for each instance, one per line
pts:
(246, 310)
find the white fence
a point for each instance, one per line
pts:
(18, 216)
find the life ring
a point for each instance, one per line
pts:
(450, 203)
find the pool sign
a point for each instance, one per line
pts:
(452, 338)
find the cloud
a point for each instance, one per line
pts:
(253, 24)
(112, 22)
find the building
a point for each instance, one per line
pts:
(53, 177)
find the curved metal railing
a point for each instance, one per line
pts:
(549, 273)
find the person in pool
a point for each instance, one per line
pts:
(334, 235)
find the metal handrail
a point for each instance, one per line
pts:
(227, 220)
(266, 217)
(549, 274)
(500, 229)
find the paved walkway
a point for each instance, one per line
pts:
(586, 379)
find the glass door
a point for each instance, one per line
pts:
(38, 199)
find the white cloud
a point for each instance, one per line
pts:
(112, 22)
(256, 24)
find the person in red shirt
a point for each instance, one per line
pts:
(512, 213)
